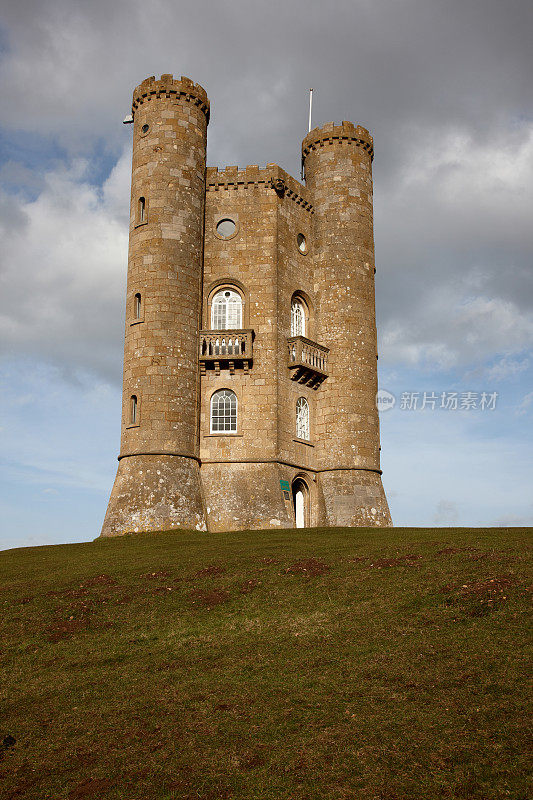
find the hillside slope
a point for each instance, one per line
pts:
(355, 664)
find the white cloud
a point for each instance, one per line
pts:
(63, 270)
(507, 368)
(524, 405)
(453, 242)
(447, 330)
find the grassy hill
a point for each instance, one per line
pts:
(343, 664)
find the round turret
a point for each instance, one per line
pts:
(337, 161)
(158, 483)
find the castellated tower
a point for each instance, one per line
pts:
(158, 481)
(250, 352)
(338, 171)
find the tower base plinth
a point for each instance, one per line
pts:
(155, 493)
(244, 496)
(354, 498)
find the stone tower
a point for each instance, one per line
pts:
(158, 479)
(338, 173)
(250, 351)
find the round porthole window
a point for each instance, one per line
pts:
(302, 243)
(226, 228)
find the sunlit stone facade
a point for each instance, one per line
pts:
(250, 348)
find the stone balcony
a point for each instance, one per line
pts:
(231, 349)
(308, 361)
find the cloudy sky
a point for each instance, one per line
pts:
(445, 86)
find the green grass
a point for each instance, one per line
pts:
(288, 665)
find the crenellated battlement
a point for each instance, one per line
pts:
(331, 133)
(272, 176)
(168, 86)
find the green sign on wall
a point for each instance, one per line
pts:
(284, 486)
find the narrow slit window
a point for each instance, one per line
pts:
(302, 419)
(137, 306)
(301, 242)
(224, 412)
(134, 413)
(142, 209)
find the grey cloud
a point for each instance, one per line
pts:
(63, 274)
(391, 64)
(12, 217)
(444, 87)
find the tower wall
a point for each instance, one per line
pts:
(240, 472)
(338, 171)
(158, 485)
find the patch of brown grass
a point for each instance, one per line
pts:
(249, 760)
(209, 597)
(308, 567)
(487, 589)
(211, 571)
(480, 597)
(89, 787)
(99, 580)
(70, 619)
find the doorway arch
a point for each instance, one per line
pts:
(300, 501)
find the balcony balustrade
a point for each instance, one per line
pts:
(231, 349)
(308, 361)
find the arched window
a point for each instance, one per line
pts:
(133, 409)
(226, 310)
(302, 419)
(142, 209)
(137, 308)
(224, 412)
(297, 317)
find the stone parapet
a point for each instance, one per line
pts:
(168, 86)
(271, 177)
(331, 133)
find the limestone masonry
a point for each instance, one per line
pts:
(250, 352)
